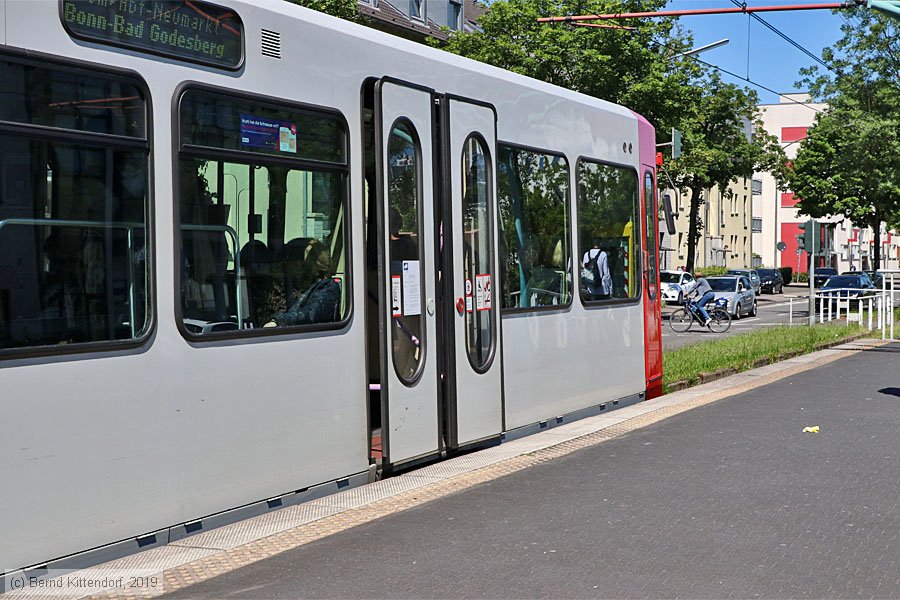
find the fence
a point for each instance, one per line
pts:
(873, 308)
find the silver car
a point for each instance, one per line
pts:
(738, 291)
(675, 285)
(750, 274)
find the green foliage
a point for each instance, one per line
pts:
(634, 68)
(713, 271)
(849, 165)
(639, 69)
(717, 149)
(746, 350)
(850, 162)
(343, 9)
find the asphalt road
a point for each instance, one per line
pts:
(772, 309)
(729, 500)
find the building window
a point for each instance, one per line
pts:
(756, 227)
(417, 9)
(454, 15)
(535, 258)
(74, 247)
(262, 215)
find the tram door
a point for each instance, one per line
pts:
(474, 404)
(410, 410)
(652, 316)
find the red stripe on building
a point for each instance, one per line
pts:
(789, 255)
(788, 200)
(793, 134)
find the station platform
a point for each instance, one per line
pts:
(712, 491)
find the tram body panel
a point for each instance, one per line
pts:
(127, 442)
(561, 363)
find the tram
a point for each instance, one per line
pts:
(250, 254)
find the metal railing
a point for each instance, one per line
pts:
(237, 262)
(871, 308)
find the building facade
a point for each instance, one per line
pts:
(725, 239)
(420, 19)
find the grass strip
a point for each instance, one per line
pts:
(745, 350)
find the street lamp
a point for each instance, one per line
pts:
(700, 49)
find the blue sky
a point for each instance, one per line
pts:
(773, 62)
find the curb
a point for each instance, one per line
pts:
(703, 377)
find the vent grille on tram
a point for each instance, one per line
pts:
(271, 43)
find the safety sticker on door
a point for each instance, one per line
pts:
(396, 311)
(483, 292)
(468, 295)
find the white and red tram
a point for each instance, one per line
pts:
(251, 253)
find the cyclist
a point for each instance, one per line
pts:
(706, 295)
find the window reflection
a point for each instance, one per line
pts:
(533, 198)
(477, 270)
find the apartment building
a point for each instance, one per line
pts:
(725, 238)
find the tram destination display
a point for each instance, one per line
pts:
(186, 29)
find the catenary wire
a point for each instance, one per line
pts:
(784, 36)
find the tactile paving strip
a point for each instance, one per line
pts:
(240, 556)
(237, 534)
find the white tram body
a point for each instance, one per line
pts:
(120, 446)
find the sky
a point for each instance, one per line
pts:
(773, 62)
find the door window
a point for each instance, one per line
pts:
(404, 196)
(477, 258)
(652, 221)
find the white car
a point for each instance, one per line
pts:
(674, 285)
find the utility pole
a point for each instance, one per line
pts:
(812, 274)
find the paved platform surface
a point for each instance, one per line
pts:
(729, 500)
(709, 492)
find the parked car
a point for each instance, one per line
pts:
(875, 277)
(738, 291)
(752, 275)
(770, 281)
(674, 285)
(822, 275)
(847, 286)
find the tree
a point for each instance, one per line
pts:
(850, 160)
(343, 9)
(639, 69)
(634, 68)
(718, 150)
(849, 164)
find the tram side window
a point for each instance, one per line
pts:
(262, 238)
(608, 223)
(73, 206)
(535, 258)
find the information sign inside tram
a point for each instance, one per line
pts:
(186, 29)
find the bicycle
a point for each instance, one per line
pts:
(681, 320)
